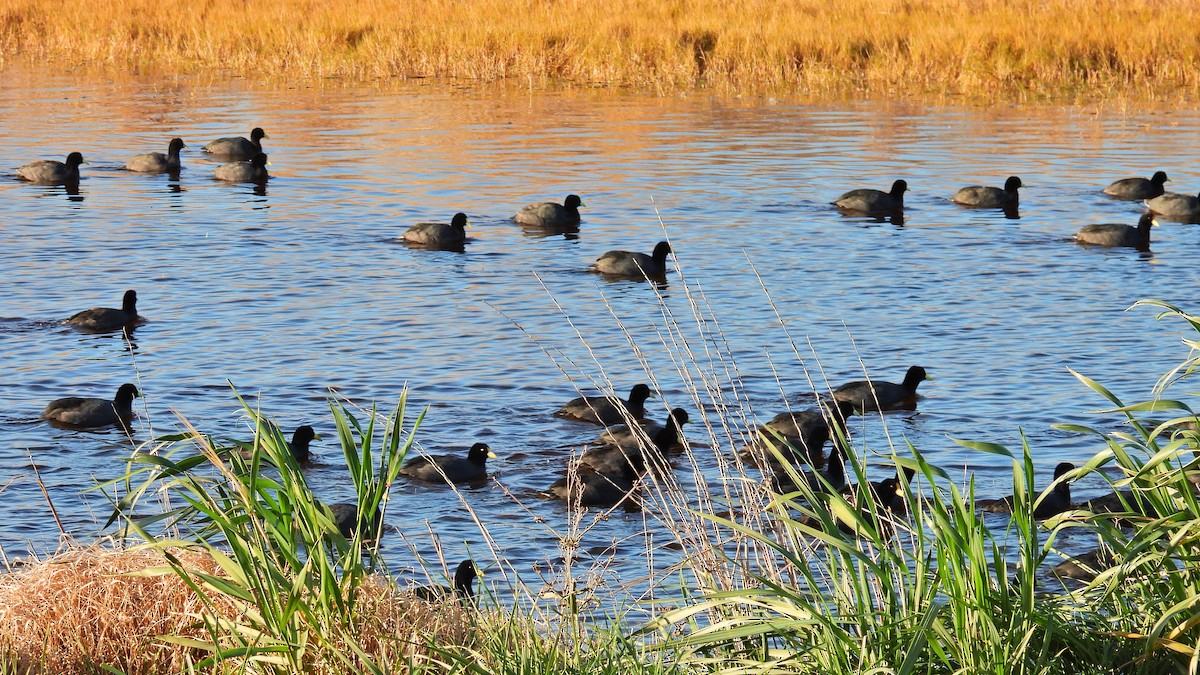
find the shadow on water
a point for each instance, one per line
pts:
(547, 231)
(895, 218)
(70, 190)
(454, 248)
(658, 281)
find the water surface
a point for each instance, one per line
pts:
(301, 289)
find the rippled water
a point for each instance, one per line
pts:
(301, 289)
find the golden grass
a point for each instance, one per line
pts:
(808, 47)
(82, 609)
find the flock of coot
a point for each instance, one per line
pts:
(609, 471)
(247, 162)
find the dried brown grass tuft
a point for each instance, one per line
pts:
(396, 628)
(76, 609)
(89, 608)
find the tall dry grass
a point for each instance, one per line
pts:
(978, 47)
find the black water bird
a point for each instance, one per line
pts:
(107, 319)
(633, 264)
(607, 410)
(798, 435)
(450, 468)
(345, 519)
(302, 437)
(253, 170)
(870, 396)
(550, 214)
(617, 445)
(889, 494)
(1086, 566)
(990, 197)
(832, 477)
(1176, 206)
(237, 147)
(1118, 234)
(1136, 189)
(445, 236)
(53, 172)
(873, 201)
(89, 413)
(625, 436)
(1051, 503)
(157, 162)
(463, 590)
(587, 486)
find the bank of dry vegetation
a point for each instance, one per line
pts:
(981, 47)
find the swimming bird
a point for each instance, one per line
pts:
(236, 147)
(464, 586)
(989, 197)
(617, 445)
(607, 410)
(89, 413)
(1135, 189)
(873, 201)
(301, 438)
(1051, 503)
(1117, 234)
(587, 486)
(868, 396)
(549, 214)
(1176, 206)
(626, 437)
(1087, 566)
(889, 494)
(448, 468)
(800, 434)
(439, 235)
(885, 498)
(53, 172)
(834, 475)
(251, 171)
(107, 319)
(1186, 425)
(345, 519)
(636, 265)
(1122, 507)
(157, 162)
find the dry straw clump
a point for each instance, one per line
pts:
(64, 614)
(977, 47)
(84, 609)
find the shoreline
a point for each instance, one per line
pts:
(1119, 103)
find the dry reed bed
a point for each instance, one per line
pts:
(76, 611)
(977, 47)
